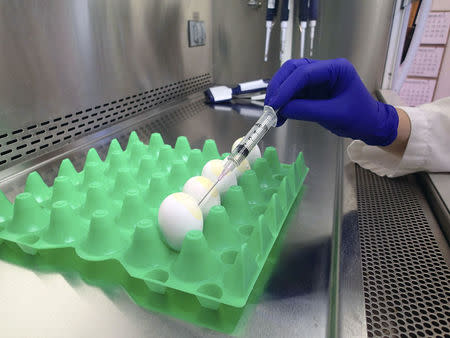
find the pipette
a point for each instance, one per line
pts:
(283, 24)
(313, 9)
(272, 6)
(267, 120)
(302, 24)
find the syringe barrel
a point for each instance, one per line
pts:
(267, 120)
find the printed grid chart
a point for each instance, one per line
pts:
(417, 91)
(427, 62)
(436, 29)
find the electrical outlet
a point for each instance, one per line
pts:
(196, 33)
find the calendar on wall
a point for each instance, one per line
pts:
(427, 62)
(425, 73)
(417, 91)
(436, 28)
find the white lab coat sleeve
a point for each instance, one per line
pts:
(428, 147)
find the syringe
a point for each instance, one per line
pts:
(267, 120)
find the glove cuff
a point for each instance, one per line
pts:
(391, 125)
(386, 131)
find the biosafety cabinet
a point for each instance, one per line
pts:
(360, 255)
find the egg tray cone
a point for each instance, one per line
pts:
(107, 215)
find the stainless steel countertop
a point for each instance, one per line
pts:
(442, 183)
(296, 301)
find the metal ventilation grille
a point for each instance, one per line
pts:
(42, 137)
(406, 279)
(159, 123)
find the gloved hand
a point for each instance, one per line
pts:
(331, 93)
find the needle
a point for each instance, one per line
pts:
(266, 121)
(206, 195)
(228, 167)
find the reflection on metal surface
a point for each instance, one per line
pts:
(333, 320)
(438, 195)
(357, 30)
(254, 3)
(351, 319)
(64, 57)
(238, 43)
(436, 188)
(296, 300)
(76, 270)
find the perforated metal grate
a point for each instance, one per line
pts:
(159, 123)
(44, 136)
(406, 279)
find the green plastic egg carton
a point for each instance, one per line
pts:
(108, 214)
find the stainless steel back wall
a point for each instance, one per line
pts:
(60, 56)
(66, 65)
(354, 29)
(238, 42)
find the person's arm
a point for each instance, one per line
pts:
(403, 132)
(388, 141)
(427, 147)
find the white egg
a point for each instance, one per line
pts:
(179, 214)
(197, 187)
(243, 167)
(254, 154)
(213, 169)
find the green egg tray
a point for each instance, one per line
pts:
(107, 216)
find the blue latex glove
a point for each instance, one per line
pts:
(331, 93)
